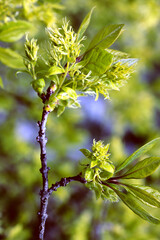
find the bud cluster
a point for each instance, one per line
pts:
(31, 49)
(99, 170)
(64, 44)
(100, 167)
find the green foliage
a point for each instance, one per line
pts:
(94, 72)
(145, 194)
(99, 173)
(135, 107)
(98, 61)
(132, 203)
(84, 25)
(13, 31)
(143, 168)
(137, 154)
(100, 168)
(11, 58)
(106, 37)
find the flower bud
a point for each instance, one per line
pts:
(38, 85)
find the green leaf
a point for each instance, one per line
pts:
(137, 154)
(1, 83)
(97, 189)
(145, 194)
(63, 96)
(99, 61)
(109, 194)
(10, 58)
(143, 168)
(105, 175)
(107, 167)
(71, 93)
(94, 163)
(106, 37)
(24, 76)
(130, 201)
(89, 174)
(84, 25)
(60, 110)
(73, 103)
(78, 65)
(86, 152)
(129, 61)
(13, 31)
(55, 70)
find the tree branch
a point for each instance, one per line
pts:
(64, 181)
(42, 140)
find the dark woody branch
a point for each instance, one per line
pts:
(46, 191)
(64, 181)
(42, 140)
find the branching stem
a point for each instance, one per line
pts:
(44, 170)
(64, 181)
(46, 191)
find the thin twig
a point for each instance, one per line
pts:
(64, 181)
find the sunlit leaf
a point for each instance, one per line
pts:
(94, 163)
(99, 61)
(71, 93)
(89, 174)
(128, 61)
(146, 194)
(55, 70)
(13, 31)
(143, 168)
(78, 65)
(105, 175)
(10, 58)
(107, 167)
(132, 203)
(60, 110)
(137, 154)
(84, 25)
(86, 152)
(106, 37)
(24, 76)
(109, 194)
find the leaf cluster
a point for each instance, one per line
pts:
(107, 180)
(73, 73)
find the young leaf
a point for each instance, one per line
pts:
(13, 31)
(60, 110)
(24, 76)
(11, 58)
(89, 174)
(106, 37)
(94, 163)
(86, 152)
(143, 168)
(99, 61)
(71, 93)
(145, 194)
(55, 70)
(137, 154)
(78, 65)
(84, 25)
(128, 61)
(130, 201)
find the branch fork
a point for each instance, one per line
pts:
(45, 192)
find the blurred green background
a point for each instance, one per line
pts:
(127, 121)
